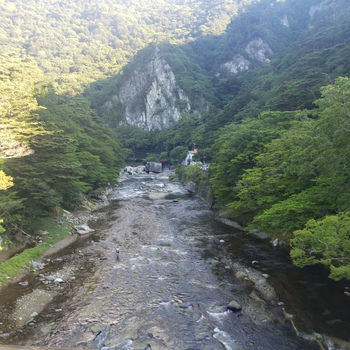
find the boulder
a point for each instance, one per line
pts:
(42, 233)
(234, 306)
(37, 265)
(139, 169)
(50, 278)
(153, 167)
(277, 243)
(129, 170)
(82, 229)
(58, 280)
(190, 187)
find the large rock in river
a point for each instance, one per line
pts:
(234, 306)
(191, 187)
(153, 167)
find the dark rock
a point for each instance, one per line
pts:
(234, 306)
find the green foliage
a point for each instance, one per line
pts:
(136, 140)
(19, 122)
(79, 42)
(236, 149)
(19, 125)
(178, 154)
(327, 242)
(303, 60)
(292, 213)
(333, 125)
(183, 132)
(297, 172)
(53, 148)
(189, 75)
(95, 154)
(191, 173)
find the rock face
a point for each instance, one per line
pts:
(256, 51)
(320, 8)
(238, 64)
(150, 96)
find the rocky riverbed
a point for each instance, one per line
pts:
(176, 285)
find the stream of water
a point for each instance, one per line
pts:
(178, 270)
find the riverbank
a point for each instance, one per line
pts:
(17, 262)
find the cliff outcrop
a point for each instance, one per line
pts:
(150, 96)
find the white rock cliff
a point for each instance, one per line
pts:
(257, 50)
(151, 97)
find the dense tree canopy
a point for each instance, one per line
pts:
(78, 42)
(53, 148)
(297, 173)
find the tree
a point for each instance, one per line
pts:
(178, 154)
(334, 125)
(237, 148)
(19, 124)
(326, 242)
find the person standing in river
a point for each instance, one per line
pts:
(117, 255)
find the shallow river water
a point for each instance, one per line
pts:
(178, 270)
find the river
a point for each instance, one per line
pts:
(178, 270)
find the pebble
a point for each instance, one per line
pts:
(57, 260)
(50, 278)
(24, 284)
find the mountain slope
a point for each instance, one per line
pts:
(76, 42)
(275, 55)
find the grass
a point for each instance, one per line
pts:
(22, 262)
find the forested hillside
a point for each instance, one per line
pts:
(260, 87)
(54, 149)
(77, 42)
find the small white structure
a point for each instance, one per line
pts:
(189, 156)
